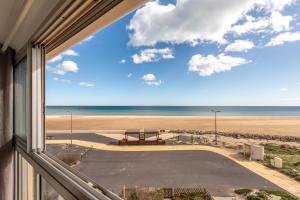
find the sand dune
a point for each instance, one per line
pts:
(245, 124)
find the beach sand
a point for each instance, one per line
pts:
(275, 125)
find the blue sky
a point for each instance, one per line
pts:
(186, 52)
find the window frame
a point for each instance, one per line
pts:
(68, 182)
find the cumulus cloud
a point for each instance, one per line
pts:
(64, 67)
(208, 65)
(275, 22)
(279, 22)
(240, 45)
(278, 4)
(59, 57)
(86, 84)
(152, 55)
(62, 80)
(150, 79)
(122, 61)
(284, 37)
(187, 20)
(251, 25)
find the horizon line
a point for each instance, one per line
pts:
(187, 105)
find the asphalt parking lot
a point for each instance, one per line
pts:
(113, 170)
(218, 174)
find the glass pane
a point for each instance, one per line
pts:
(48, 192)
(157, 101)
(21, 99)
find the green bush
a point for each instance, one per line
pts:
(254, 197)
(258, 196)
(243, 191)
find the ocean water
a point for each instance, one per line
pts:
(176, 110)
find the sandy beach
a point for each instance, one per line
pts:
(244, 124)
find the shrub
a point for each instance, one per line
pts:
(258, 196)
(243, 191)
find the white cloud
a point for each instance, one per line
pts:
(129, 75)
(150, 80)
(275, 22)
(298, 83)
(279, 22)
(208, 65)
(62, 80)
(64, 67)
(60, 56)
(152, 55)
(86, 84)
(283, 89)
(190, 21)
(185, 22)
(149, 77)
(251, 25)
(240, 45)
(278, 4)
(284, 37)
(122, 61)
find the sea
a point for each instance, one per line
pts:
(176, 110)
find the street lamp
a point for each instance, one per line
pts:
(71, 126)
(216, 111)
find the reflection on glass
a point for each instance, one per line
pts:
(21, 100)
(48, 192)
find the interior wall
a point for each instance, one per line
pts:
(6, 126)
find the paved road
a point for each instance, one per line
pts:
(216, 173)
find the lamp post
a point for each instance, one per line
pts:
(216, 111)
(71, 126)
